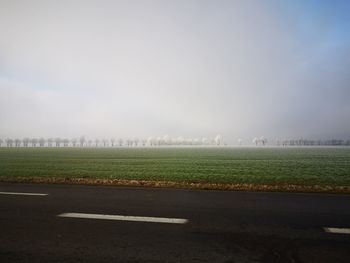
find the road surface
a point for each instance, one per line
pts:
(62, 223)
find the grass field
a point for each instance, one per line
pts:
(300, 166)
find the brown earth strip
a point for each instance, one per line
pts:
(183, 185)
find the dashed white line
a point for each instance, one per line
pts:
(15, 193)
(336, 230)
(127, 218)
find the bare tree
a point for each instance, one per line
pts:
(205, 141)
(58, 142)
(18, 142)
(1, 142)
(74, 141)
(166, 139)
(112, 142)
(42, 142)
(34, 142)
(120, 142)
(218, 140)
(26, 142)
(278, 142)
(105, 142)
(65, 142)
(9, 142)
(89, 142)
(144, 142)
(189, 141)
(196, 141)
(49, 142)
(128, 142)
(180, 140)
(97, 141)
(82, 141)
(263, 140)
(150, 141)
(136, 142)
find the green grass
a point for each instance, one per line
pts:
(303, 166)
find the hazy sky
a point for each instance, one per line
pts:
(192, 68)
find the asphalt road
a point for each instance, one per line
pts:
(221, 226)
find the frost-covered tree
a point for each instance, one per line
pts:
(42, 142)
(18, 142)
(9, 142)
(180, 140)
(218, 140)
(166, 140)
(58, 142)
(26, 142)
(82, 141)
(74, 141)
(205, 141)
(278, 142)
(128, 142)
(136, 142)
(150, 141)
(196, 141)
(263, 140)
(34, 142)
(65, 142)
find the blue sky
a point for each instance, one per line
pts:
(183, 68)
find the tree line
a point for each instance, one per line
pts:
(83, 142)
(306, 142)
(159, 141)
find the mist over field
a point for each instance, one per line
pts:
(182, 68)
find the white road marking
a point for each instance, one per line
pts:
(336, 230)
(127, 218)
(15, 193)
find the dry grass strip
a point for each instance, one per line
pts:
(183, 185)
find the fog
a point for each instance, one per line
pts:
(242, 69)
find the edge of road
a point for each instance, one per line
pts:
(183, 185)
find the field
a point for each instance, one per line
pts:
(273, 166)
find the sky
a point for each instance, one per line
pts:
(192, 68)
